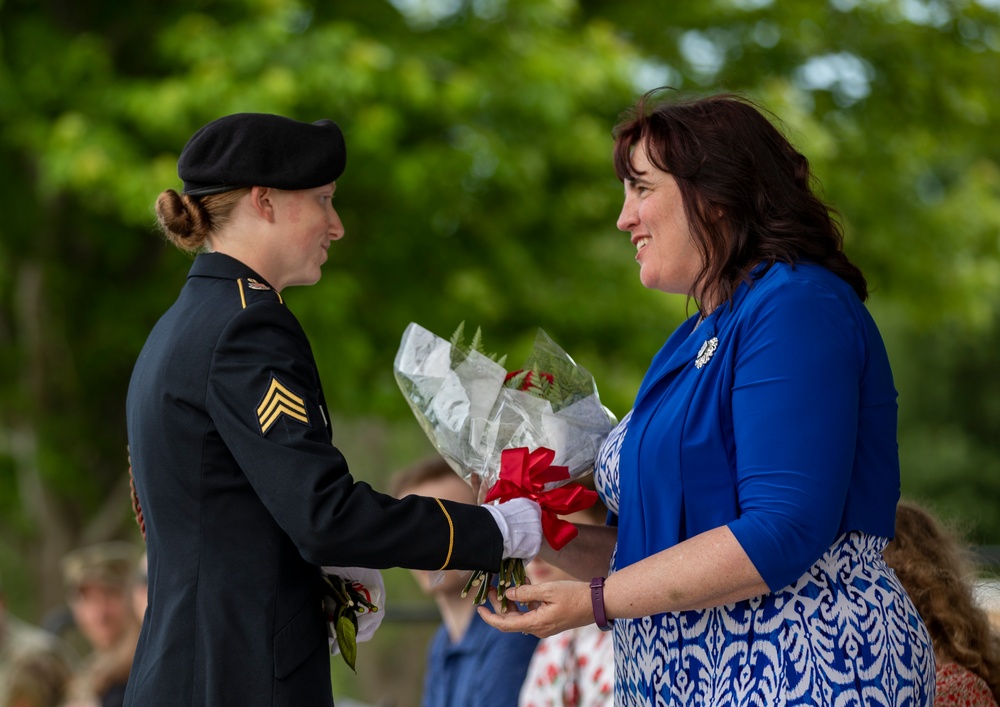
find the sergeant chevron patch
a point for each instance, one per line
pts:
(278, 401)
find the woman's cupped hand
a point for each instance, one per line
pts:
(541, 609)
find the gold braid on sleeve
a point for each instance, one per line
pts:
(451, 534)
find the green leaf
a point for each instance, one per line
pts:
(461, 350)
(347, 637)
(458, 336)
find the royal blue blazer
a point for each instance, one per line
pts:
(775, 417)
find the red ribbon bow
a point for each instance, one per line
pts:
(524, 475)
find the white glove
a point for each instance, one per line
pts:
(520, 523)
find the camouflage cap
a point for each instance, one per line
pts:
(106, 563)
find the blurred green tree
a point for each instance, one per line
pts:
(478, 188)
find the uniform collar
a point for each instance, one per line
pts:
(224, 267)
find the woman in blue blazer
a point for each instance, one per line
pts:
(243, 495)
(755, 480)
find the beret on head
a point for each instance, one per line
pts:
(259, 149)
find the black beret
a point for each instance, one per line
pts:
(259, 149)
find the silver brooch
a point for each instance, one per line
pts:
(706, 351)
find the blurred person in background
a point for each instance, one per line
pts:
(575, 668)
(468, 662)
(140, 588)
(99, 580)
(939, 573)
(35, 665)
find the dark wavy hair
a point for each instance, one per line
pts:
(747, 192)
(936, 569)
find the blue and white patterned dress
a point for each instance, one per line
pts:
(844, 633)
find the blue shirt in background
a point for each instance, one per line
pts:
(486, 666)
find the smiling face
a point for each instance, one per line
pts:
(308, 223)
(653, 213)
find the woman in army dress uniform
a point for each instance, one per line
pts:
(242, 492)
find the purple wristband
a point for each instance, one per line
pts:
(597, 599)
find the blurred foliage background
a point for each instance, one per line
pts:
(479, 188)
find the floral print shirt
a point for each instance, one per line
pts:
(958, 686)
(575, 668)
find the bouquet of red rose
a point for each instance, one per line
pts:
(528, 432)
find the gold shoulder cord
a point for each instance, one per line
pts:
(243, 297)
(451, 534)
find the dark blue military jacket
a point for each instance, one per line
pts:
(244, 496)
